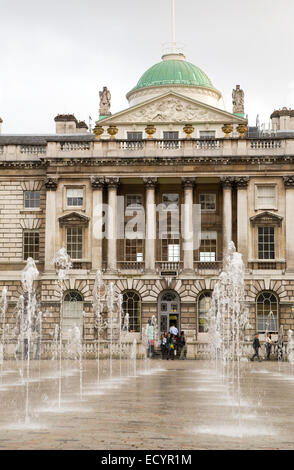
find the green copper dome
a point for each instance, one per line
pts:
(173, 72)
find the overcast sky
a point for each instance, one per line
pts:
(56, 55)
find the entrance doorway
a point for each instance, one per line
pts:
(169, 311)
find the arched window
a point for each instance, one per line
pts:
(132, 305)
(267, 312)
(204, 302)
(72, 311)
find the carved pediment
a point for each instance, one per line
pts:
(172, 107)
(266, 218)
(73, 219)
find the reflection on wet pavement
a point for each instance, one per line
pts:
(180, 405)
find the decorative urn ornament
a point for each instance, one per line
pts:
(188, 129)
(150, 130)
(112, 131)
(242, 129)
(227, 130)
(98, 131)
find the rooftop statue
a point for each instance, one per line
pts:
(105, 98)
(238, 100)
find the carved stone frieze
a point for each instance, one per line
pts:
(170, 109)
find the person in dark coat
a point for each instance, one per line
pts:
(256, 346)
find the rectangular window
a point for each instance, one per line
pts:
(171, 250)
(74, 242)
(31, 244)
(266, 243)
(74, 197)
(207, 252)
(207, 135)
(134, 250)
(207, 202)
(135, 135)
(170, 135)
(32, 199)
(266, 197)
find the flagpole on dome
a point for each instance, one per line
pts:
(174, 45)
(171, 49)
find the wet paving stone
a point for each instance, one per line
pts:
(183, 406)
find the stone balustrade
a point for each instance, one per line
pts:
(104, 148)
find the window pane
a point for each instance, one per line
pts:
(135, 135)
(266, 243)
(207, 134)
(74, 197)
(204, 303)
(170, 135)
(208, 202)
(31, 245)
(74, 239)
(132, 306)
(267, 312)
(32, 199)
(266, 197)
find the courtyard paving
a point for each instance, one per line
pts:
(177, 405)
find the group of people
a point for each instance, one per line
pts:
(268, 347)
(172, 344)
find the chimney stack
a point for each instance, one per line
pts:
(66, 124)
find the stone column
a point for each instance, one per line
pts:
(227, 182)
(242, 217)
(112, 184)
(50, 229)
(289, 186)
(150, 238)
(97, 184)
(187, 225)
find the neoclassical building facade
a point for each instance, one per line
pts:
(174, 147)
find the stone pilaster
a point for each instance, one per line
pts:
(242, 216)
(187, 225)
(112, 185)
(50, 229)
(289, 196)
(150, 242)
(227, 183)
(97, 184)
